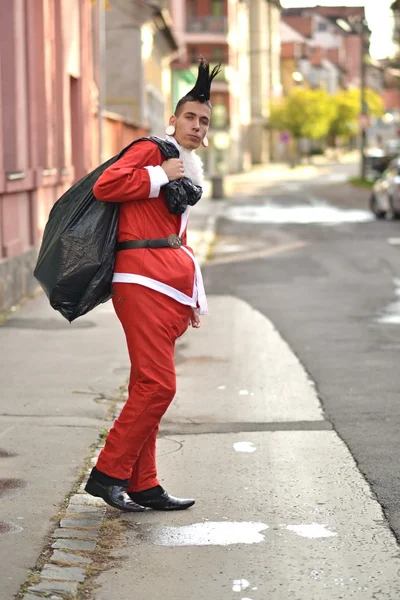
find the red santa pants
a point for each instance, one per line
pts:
(152, 322)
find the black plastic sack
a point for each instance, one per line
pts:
(181, 192)
(77, 255)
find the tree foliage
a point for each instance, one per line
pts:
(348, 108)
(304, 113)
(315, 114)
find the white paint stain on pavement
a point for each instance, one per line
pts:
(319, 213)
(311, 530)
(391, 314)
(209, 534)
(244, 392)
(239, 585)
(244, 447)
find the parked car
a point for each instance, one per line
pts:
(392, 146)
(385, 197)
(376, 161)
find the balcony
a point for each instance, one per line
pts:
(207, 24)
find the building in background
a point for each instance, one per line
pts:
(202, 30)
(335, 32)
(294, 47)
(322, 60)
(140, 45)
(243, 35)
(265, 74)
(47, 103)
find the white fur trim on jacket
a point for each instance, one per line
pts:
(158, 178)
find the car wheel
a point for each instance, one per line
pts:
(374, 206)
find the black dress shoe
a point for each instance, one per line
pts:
(158, 499)
(114, 495)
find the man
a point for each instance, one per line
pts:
(158, 292)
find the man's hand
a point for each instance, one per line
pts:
(195, 319)
(173, 168)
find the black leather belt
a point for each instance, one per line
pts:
(172, 241)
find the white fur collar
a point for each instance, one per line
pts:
(191, 162)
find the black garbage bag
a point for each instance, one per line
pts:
(181, 193)
(77, 255)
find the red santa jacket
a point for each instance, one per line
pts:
(135, 181)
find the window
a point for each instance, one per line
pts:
(217, 8)
(217, 54)
(321, 26)
(219, 116)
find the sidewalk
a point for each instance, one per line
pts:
(258, 176)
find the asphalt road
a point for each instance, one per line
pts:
(330, 288)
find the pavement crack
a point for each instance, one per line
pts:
(179, 446)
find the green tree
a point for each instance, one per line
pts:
(348, 108)
(304, 113)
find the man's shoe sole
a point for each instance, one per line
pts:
(172, 508)
(167, 508)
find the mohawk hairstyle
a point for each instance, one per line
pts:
(202, 87)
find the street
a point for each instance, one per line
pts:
(284, 428)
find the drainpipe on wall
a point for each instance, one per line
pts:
(101, 24)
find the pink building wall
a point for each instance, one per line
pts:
(47, 116)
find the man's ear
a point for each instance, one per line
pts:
(172, 120)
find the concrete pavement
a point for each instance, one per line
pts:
(282, 510)
(55, 382)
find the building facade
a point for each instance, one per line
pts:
(336, 29)
(322, 58)
(265, 74)
(243, 36)
(48, 106)
(140, 45)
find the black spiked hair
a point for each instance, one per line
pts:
(202, 87)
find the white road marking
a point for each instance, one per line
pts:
(244, 447)
(322, 214)
(311, 531)
(240, 584)
(391, 314)
(208, 534)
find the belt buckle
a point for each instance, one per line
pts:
(174, 241)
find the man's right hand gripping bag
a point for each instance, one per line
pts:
(77, 255)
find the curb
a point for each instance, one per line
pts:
(77, 532)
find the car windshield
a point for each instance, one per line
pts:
(393, 146)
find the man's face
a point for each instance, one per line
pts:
(191, 124)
